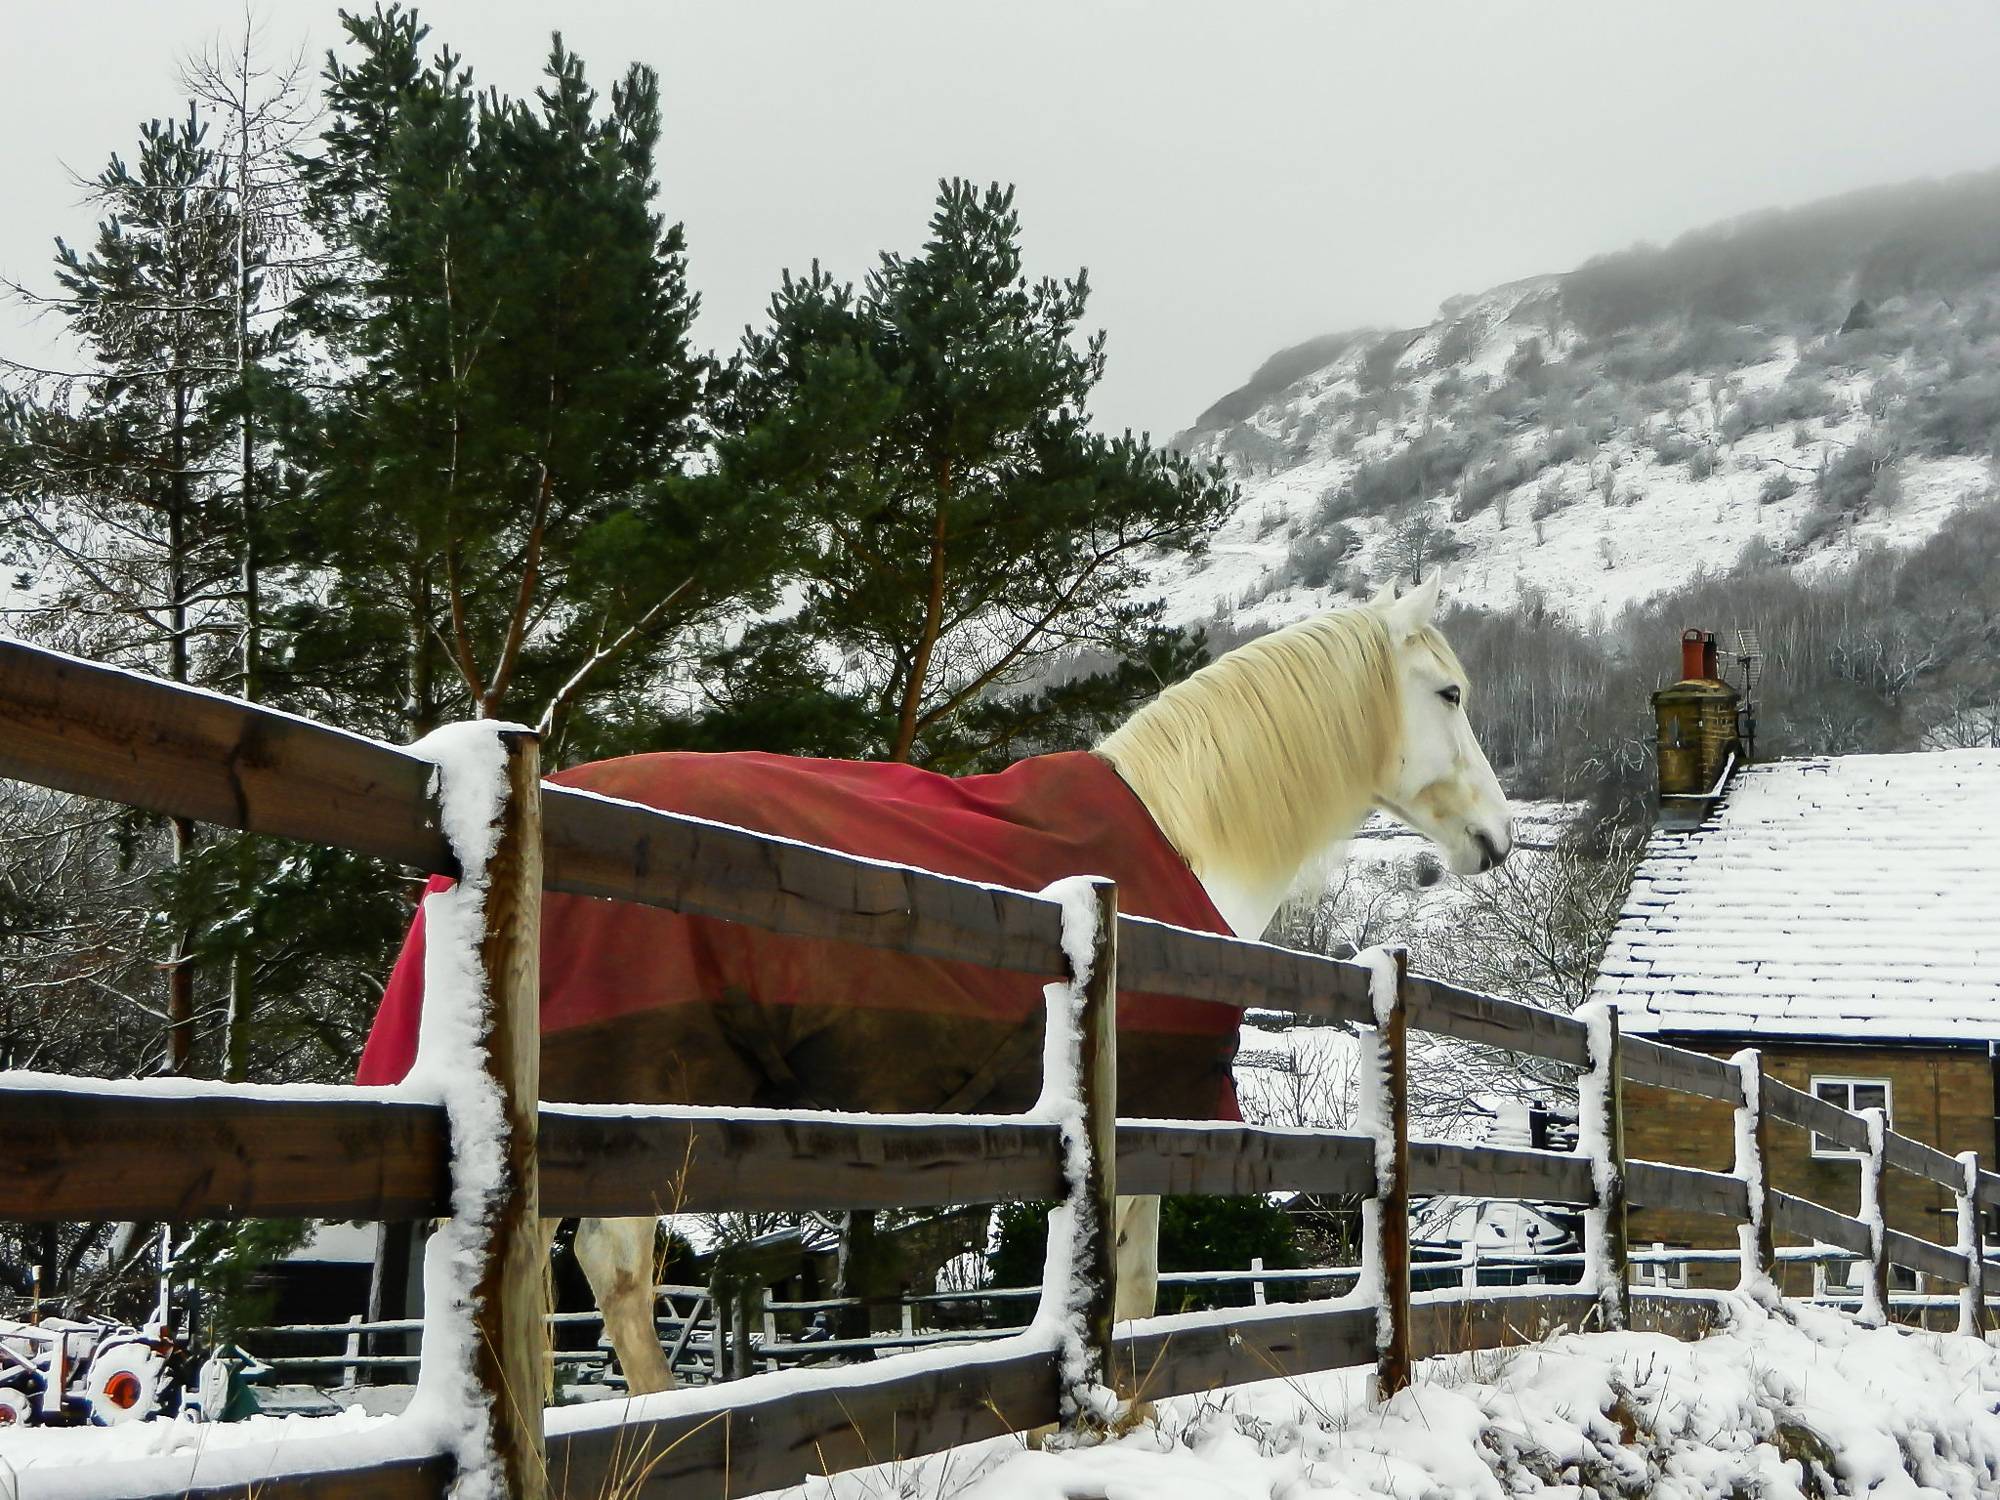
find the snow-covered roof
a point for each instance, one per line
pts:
(1493, 1224)
(1853, 898)
(337, 1244)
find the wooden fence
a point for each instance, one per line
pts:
(175, 1150)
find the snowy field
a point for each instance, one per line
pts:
(1779, 1408)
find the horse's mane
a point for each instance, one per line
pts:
(1257, 763)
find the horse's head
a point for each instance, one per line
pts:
(1438, 782)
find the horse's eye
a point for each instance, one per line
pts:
(1450, 695)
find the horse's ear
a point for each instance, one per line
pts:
(1412, 612)
(1385, 595)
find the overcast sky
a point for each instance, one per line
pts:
(1236, 176)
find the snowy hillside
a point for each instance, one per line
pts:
(1813, 382)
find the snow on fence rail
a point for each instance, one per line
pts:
(87, 1148)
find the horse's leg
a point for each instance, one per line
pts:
(1138, 1252)
(617, 1256)
(548, 1232)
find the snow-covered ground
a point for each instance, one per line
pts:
(26, 1451)
(1808, 1404)
(1777, 1409)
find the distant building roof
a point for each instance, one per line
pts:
(337, 1244)
(1854, 898)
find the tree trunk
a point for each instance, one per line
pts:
(242, 1002)
(48, 1262)
(180, 961)
(920, 662)
(420, 712)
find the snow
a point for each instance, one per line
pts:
(1490, 1227)
(1388, 867)
(1373, 1120)
(1594, 555)
(1065, 1294)
(1596, 1092)
(1752, 1281)
(1873, 1312)
(337, 1244)
(1731, 928)
(471, 784)
(1970, 1245)
(1749, 1409)
(24, 1081)
(161, 1457)
(1297, 1076)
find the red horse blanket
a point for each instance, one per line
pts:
(642, 1005)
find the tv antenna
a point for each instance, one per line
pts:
(1747, 656)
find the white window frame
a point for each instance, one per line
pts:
(1659, 1273)
(1826, 1150)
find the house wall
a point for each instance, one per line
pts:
(1943, 1097)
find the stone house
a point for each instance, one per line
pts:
(1842, 916)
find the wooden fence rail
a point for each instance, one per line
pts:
(78, 1149)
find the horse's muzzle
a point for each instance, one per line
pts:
(1491, 854)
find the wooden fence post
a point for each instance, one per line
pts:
(1391, 1200)
(1971, 1244)
(1875, 1296)
(1753, 1140)
(508, 1332)
(350, 1375)
(1092, 1294)
(1607, 1253)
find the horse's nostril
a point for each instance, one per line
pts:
(1490, 853)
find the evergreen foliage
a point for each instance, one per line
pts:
(963, 525)
(114, 508)
(499, 482)
(119, 511)
(406, 425)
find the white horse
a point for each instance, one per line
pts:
(1256, 768)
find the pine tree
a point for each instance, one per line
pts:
(141, 499)
(499, 475)
(965, 527)
(265, 114)
(116, 509)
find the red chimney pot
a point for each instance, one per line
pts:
(1697, 654)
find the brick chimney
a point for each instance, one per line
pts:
(1698, 737)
